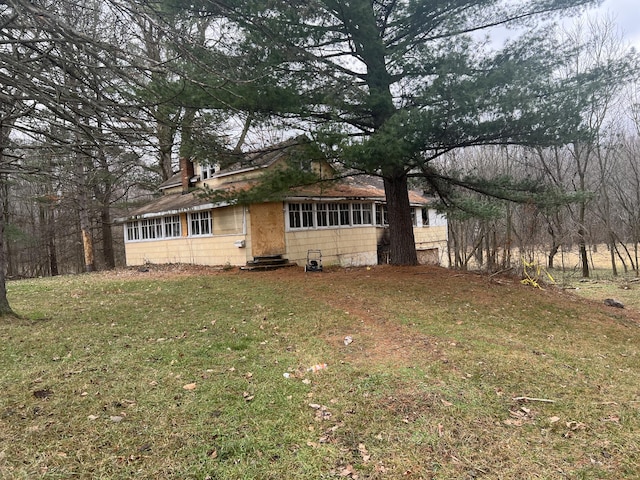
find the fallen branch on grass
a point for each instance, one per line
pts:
(529, 399)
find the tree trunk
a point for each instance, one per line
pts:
(584, 257)
(107, 238)
(165, 135)
(5, 308)
(612, 254)
(582, 241)
(402, 240)
(83, 213)
(552, 254)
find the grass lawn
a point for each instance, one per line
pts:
(182, 373)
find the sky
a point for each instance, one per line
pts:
(626, 13)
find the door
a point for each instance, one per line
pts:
(267, 229)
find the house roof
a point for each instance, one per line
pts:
(348, 188)
(171, 204)
(173, 181)
(360, 187)
(249, 161)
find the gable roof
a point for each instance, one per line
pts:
(247, 162)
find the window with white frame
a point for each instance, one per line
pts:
(333, 215)
(151, 228)
(133, 231)
(172, 226)
(345, 215)
(362, 213)
(324, 215)
(208, 171)
(381, 215)
(200, 223)
(154, 228)
(295, 220)
(307, 215)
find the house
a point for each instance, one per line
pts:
(344, 219)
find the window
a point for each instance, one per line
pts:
(322, 211)
(307, 215)
(323, 215)
(294, 215)
(345, 216)
(367, 215)
(151, 228)
(333, 214)
(208, 171)
(154, 228)
(133, 231)
(361, 213)
(200, 223)
(172, 226)
(381, 215)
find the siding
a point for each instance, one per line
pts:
(220, 249)
(342, 246)
(428, 238)
(192, 250)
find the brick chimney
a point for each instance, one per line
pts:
(186, 172)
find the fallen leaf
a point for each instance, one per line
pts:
(512, 422)
(611, 418)
(247, 396)
(573, 425)
(554, 419)
(190, 386)
(116, 418)
(347, 471)
(92, 417)
(364, 453)
(446, 404)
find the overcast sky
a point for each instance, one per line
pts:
(626, 13)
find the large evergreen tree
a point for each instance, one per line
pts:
(391, 85)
